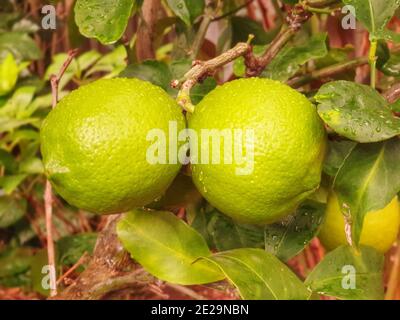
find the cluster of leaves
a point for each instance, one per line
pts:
(362, 166)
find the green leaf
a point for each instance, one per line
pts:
(8, 74)
(289, 237)
(102, 19)
(10, 183)
(161, 74)
(11, 210)
(20, 45)
(71, 248)
(289, 60)
(392, 66)
(242, 27)
(15, 261)
(187, 10)
(31, 165)
(374, 14)
(7, 161)
(226, 234)
(111, 64)
(17, 105)
(167, 247)
(153, 71)
(9, 124)
(388, 35)
(259, 275)
(368, 180)
(357, 112)
(333, 275)
(86, 60)
(337, 153)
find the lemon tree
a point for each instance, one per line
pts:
(243, 158)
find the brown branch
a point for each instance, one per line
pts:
(296, 18)
(254, 65)
(108, 260)
(146, 30)
(212, 8)
(48, 193)
(204, 69)
(327, 72)
(393, 94)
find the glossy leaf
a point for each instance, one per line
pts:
(187, 10)
(289, 60)
(102, 19)
(346, 274)
(153, 71)
(337, 153)
(374, 14)
(287, 238)
(227, 234)
(167, 247)
(368, 180)
(259, 275)
(357, 112)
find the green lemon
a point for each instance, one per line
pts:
(379, 231)
(96, 143)
(282, 148)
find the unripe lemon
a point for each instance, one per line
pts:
(95, 144)
(379, 231)
(283, 143)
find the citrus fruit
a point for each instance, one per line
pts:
(379, 231)
(280, 137)
(95, 145)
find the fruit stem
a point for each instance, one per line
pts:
(372, 61)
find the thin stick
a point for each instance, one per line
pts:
(81, 261)
(393, 94)
(186, 291)
(394, 276)
(48, 193)
(327, 72)
(210, 11)
(203, 69)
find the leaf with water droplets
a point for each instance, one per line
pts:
(187, 10)
(368, 180)
(289, 60)
(374, 14)
(349, 275)
(259, 275)
(287, 238)
(103, 19)
(356, 112)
